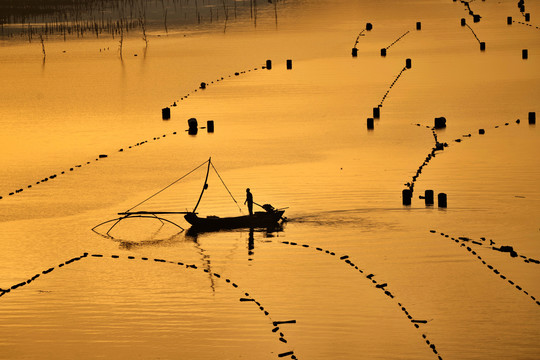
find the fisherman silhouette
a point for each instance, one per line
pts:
(249, 201)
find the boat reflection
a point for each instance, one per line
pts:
(194, 232)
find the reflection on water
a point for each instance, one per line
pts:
(362, 275)
(151, 241)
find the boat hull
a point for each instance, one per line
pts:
(260, 219)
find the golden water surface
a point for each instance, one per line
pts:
(362, 275)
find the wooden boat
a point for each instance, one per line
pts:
(260, 219)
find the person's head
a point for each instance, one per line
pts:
(247, 190)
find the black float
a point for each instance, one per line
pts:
(289, 64)
(524, 54)
(210, 126)
(509, 20)
(532, 118)
(406, 195)
(418, 25)
(440, 122)
(268, 64)
(166, 113)
(192, 123)
(428, 197)
(441, 198)
(370, 124)
(376, 112)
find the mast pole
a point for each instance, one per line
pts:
(205, 186)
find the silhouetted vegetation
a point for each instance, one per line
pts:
(29, 18)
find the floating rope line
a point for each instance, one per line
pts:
(522, 23)
(438, 147)
(470, 28)
(461, 243)
(44, 272)
(358, 38)
(204, 85)
(383, 50)
(368, 27)
(392, 85)
(476, 17)
(483, 243)
(75, 167)
(395, 41)
(380, 286)
(246, 297)
(482, 131)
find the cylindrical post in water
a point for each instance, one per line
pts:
(370, 125)
(192, 123)
(383, 52)
(463, 22)
(408, 63)
(376, 112)
(289, 64)
(268, 64)
(482, 46)
(418, 25)
(509, 20)
(354, 52)
(532, 118)
(406, 195)
(527, 17)
(210, 126)
(440, 122)
(428, 197)
(481, 131)
(476, 18)
(166, 113)
(442, 200)
(524, 54)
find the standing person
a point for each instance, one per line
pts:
(249, 201)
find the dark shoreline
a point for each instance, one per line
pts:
(28, 18)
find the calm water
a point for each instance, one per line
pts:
(298, 139)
